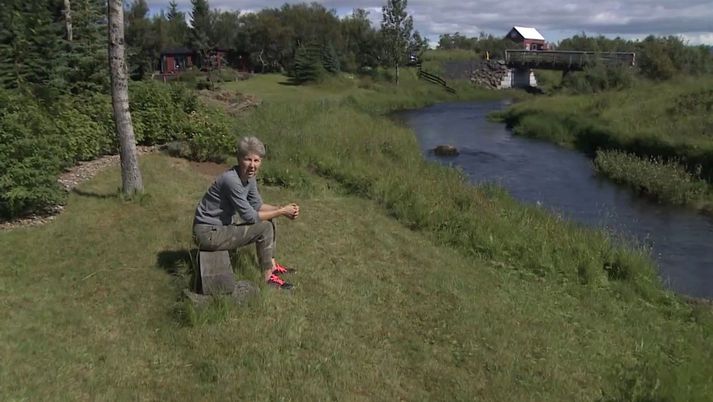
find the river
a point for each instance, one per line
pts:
(563, 180)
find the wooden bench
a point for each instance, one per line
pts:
(216, 273)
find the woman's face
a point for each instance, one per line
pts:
(248, 166)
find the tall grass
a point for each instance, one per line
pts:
(664, 180)
(375, 158)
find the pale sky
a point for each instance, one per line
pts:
(690, 19)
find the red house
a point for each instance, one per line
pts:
(529, 38)
(174, 61)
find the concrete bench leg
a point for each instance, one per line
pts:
(216, 273)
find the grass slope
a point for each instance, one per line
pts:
(91, 311)
(420, 288)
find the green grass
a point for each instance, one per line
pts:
(95, 313)
(364, 93)
(412, 285)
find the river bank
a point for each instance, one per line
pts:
(457, 292)
(563, 182)
(665, 124)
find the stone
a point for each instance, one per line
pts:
(216, 273)
(446, 150)
(243, 292)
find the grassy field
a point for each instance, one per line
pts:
(412, 285)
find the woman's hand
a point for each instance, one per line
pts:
(291, 211)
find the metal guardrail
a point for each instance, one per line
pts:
(435, 80)
(565, 60)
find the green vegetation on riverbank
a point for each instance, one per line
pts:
(411, 284)
(672, 121)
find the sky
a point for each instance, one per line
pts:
(691, 20)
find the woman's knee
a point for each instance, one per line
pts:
(266, 229)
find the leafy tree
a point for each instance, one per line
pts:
(360, 42)
(456, 41)
(396, 27)
(225, 27)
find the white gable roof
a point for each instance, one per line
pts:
(529, 33)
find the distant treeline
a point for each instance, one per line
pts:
(63, 39)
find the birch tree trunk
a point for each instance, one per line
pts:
(131, 181)
(68, 19)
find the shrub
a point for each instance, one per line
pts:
(86, 126)
(30, 157)
(208, 135)
(155, 113)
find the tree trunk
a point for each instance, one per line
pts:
(397, 73)
(68, 19)
(131, 181)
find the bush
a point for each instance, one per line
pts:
(597, 78)
(156, 115)
(208, 134)
(30, 157)
(86, 126)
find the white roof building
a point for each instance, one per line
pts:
(529, 33)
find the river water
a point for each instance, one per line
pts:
(564, 181)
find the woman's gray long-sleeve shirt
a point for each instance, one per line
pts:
(228, 197)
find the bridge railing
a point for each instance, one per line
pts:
(565, 60)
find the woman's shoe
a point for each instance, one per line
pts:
(281, 269)
(279, 283)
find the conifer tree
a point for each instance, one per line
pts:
(88, 65)
(201, 26)
(330, 60)
(31, 53)
(308, 65)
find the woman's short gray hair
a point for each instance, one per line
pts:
(250, 145)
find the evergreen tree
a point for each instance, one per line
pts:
(88, 65)
(31, 46)
(201, 28)
(308, 65)
(330, 60)
(176, 28)
(141, 43)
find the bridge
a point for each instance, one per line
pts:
(565, 60)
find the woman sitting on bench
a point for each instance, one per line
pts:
(231, 214)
